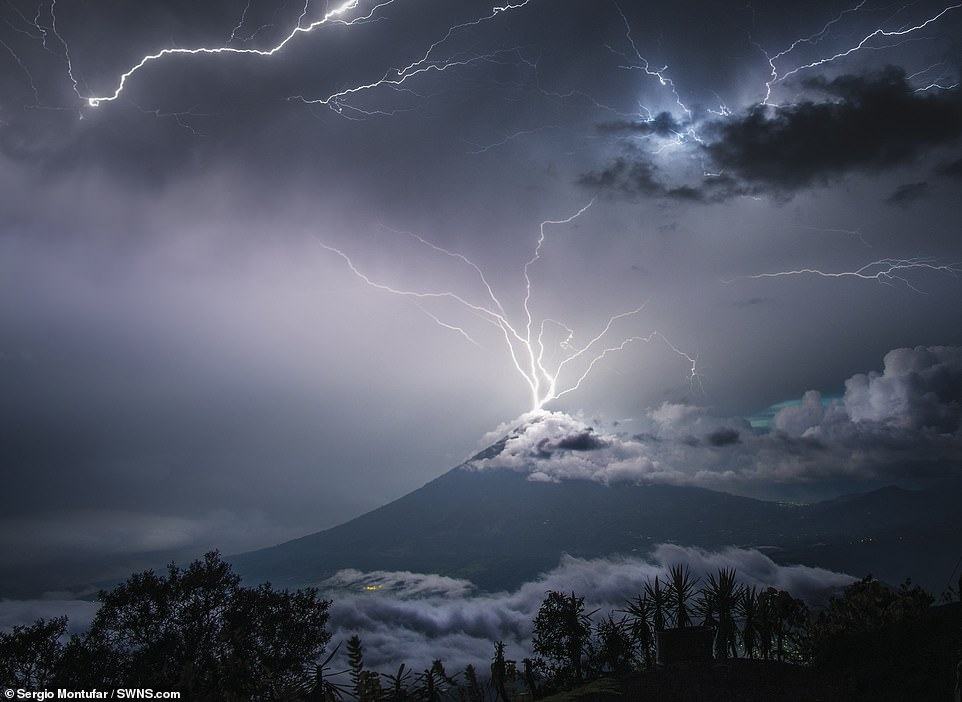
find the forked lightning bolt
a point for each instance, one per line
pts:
(864, 43)
(339, 15)
(525, 348)
(395, 78)
(888, 271)
(334, 16)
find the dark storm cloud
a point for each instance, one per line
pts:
(636, 176)
(908, 193)
(724, 437)
(864, 122)
(582, 441)
(858, 123)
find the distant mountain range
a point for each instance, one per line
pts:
(498, 529)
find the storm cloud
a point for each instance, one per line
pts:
(850, 123)
(183, 367)
(863, 121)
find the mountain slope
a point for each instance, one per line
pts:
(499, 529)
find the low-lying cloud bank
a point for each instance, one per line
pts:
(904, 423)
(398, 624)
(415, 618)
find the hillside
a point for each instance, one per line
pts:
(498, 529)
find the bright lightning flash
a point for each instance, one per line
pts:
(339, 15)
(333, 16)
(525, 343)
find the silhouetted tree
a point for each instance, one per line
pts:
(864, 607)
(613, 648)
(355, 661)
(781, 623)
(196, 630)
(428, 688)
(499, 672)
(31, 655)
(365, 684)
(472, 686)
(561, 630)
(533, 677)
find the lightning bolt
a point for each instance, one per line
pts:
(645, 66)
(340, 15)
(811, 39)
(525, 348)
(777, 77)
(334, 16)
(395, 78)
(888, 271)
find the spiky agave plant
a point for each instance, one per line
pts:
(748, 611)
(681, 588)
(398, 684)
(319, 683)
(658, 599)
(723, 594)
(640, 614)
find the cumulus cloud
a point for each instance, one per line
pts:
(902, 423)
(397, 626)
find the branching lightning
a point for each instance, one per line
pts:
(333, 16)
(339, 15)
(525, 343)
(395, 78)
(863, 44)
(888, 271)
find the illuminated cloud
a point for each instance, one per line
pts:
(902, 423)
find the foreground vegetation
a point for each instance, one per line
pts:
(198, 631)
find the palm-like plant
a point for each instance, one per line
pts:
(319, 683)
(748, 611)
(721, 596)
(614, 646)
(428, 688)
(640, 613)
(765, 623)
(499, 672)
(658, 600)
(681, 587)
(398, 684)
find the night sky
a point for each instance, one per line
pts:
(184, 365)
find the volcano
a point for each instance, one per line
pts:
(498, 528)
